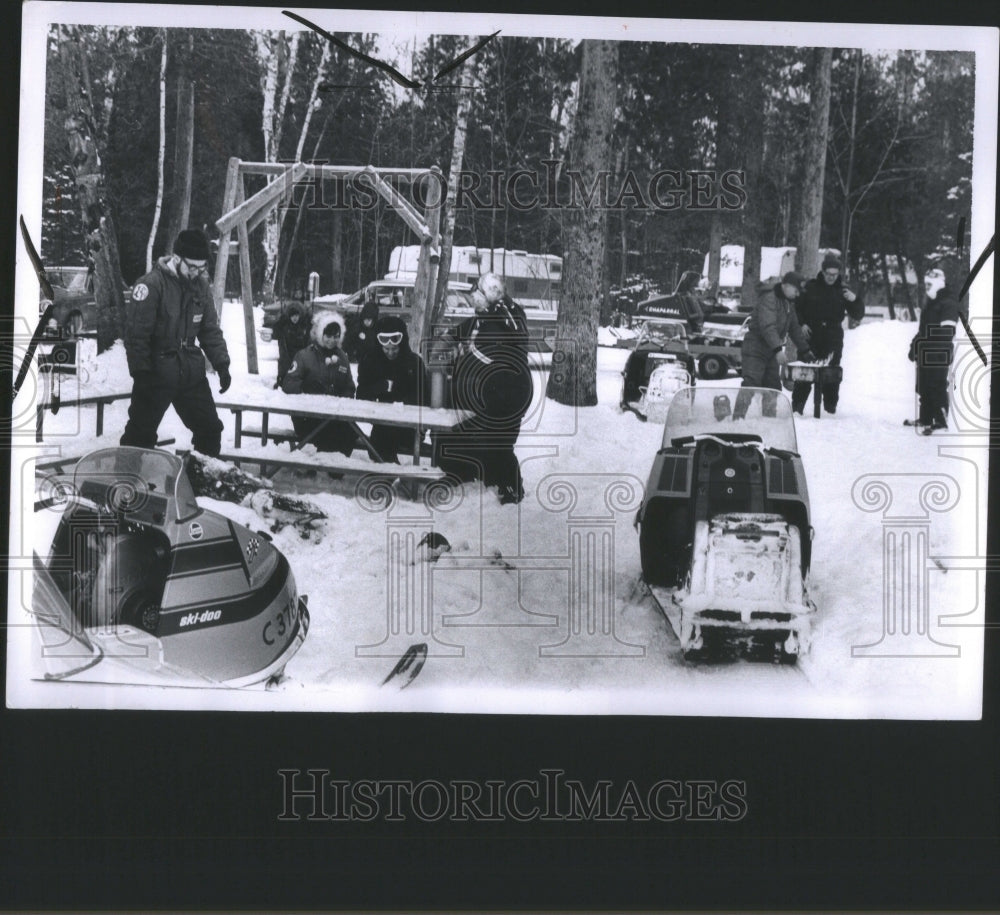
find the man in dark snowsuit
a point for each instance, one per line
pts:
(821, 309)
(772, 321)
(391, 372)
(323, 368)
(493, 380)
(292, 331)
(170, 309)
(931, 350)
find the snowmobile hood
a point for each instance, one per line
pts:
(136, 560)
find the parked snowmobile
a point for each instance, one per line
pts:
(141, 585)
(657, 368)
(724, 530)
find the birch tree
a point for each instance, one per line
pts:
(160, 155)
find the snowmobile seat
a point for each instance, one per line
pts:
(728, 478)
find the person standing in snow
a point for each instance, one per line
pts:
(821, 309)
(932, 352)
(493, 380)
(171, 327)
(323, 368)
(773, 321)
(292, 331)
(360, 338)
(391, 372)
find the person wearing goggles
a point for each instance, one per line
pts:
(390, 372)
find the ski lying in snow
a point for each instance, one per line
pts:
(633, 408)
(408, 666)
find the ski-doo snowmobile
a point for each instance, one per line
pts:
(724, 529)
(142, 585)
(659, 365)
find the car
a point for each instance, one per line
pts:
(725, 538)
(75, 311)
(394, 297)
(141, 585)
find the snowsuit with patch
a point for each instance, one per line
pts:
(171, 327)
(931, 350)
(822, 308)
(400, 380)
(318, 369)
(493, 380)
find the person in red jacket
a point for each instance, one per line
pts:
(323, 368)
(392, 373)
(171, 327)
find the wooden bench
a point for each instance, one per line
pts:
(286, 434)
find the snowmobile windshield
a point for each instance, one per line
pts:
(137, 481)
(660, 333)
(734, 413)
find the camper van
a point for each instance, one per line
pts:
(533, 280)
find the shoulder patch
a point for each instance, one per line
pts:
(295, 365)
(140, 292)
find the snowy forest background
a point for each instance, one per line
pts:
(153, 115)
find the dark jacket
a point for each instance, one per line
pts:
(164, 319)
(360, 336)
(291, 336)
(938, 322)
(773, 320)
(492, 377)
(320, 370)
(407, 373)
(822, 307)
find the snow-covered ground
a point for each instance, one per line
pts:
(532, 633)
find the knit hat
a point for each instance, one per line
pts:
(192, 243)
(831, 261)
(792, 278)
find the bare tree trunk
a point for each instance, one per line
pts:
(817, 131)
(573, 379)
(753, 148)
(337, 251)
(180, 194)
(887, 284)
(160, 153)
(901, 266)
(465, 72)
(845, 224)
(102, 241)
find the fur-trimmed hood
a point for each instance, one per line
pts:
(321, 319)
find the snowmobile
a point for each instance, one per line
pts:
(724, 529)
(658, 366)
(142, 585)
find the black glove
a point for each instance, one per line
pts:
(808, 356)
(912, 355)
(143, 379)
(225, 380)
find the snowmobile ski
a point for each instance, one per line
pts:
(409, 665)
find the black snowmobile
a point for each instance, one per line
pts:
(724, 529)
